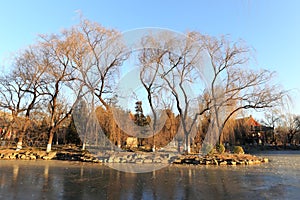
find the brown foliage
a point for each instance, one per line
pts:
(113, 131)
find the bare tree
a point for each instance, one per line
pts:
(21, 89)
(87, 59)
(83, 59)
(272, 118)
(233, 84)
(179, 71)
(12, 100)
(230, 88)
(100, 69)
(150, 60)
(30, 73)
(288, 128)
(57, 52)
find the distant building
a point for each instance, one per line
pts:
(132, 142)
(248, 130)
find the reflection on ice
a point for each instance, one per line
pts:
(136, 168)
(15, 172)
(278, 179)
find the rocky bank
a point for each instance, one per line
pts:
(136, 157)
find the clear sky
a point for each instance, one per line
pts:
(272, 27)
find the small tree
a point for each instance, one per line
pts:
(220, 148)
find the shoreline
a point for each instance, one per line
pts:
(71, 154)
(270, 148)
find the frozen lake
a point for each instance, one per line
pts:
(279, 179)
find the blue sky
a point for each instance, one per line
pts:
(272, 28)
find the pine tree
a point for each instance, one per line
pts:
(140, 118)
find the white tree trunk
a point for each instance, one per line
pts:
(189, 148)
(153, 148)
(19, 146)
(48, 148)
(187, 144)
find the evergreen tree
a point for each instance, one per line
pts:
(140, 118)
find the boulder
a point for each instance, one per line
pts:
(207, 162)
(215, 162)
(165, 161)
(177, 161)
(50, 155)
(111, 159)
(223, 163)
(147, 160)
(6, 157)
(139, 161)
(196, 162)
(240, 162)
(231, 162)
(249, 162)
(157, 160)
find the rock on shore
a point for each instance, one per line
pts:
(221, 159)
(9, 154)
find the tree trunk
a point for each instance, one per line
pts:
(84, 139)
(20, 143)
(187, 143)
(153, 138)
(220, 131)
(21, 136)
(49, 145)
(119, 138)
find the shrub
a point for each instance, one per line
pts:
(220, 148)
(207, 149)
(238, 150)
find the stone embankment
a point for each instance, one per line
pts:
(9, 154)
(137, 157)
(221, 159)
